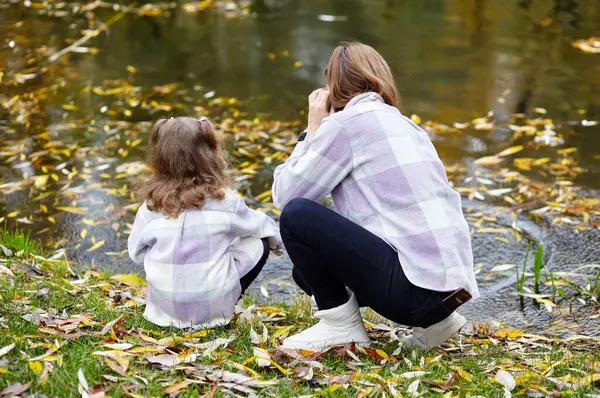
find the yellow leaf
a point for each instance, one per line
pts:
(129, 280)
(523, 163)
(131, 69)
(36, 367)
(13, 214)
(70, 107)
(382, 354)
(507, 333)
(201, 333)
(587, 380)
(3, 370)
(40, 181)
(415, 118)
(566, 151)
(264, 195)
(510, 151)
(282, 331)
(462, 373)
(51, 219)
(73, 210)
(488, 160)
(112, 363)
(540, 161)
(83, 233)
(96, 245)
(298, 64)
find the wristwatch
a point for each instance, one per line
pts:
(302, 136)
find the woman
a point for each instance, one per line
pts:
(397, 241)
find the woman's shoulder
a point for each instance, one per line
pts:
(362, 114)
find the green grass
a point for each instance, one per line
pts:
(466, 366)
(19, 241)
(521, 275)
(538, 264)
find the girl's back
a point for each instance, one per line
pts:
(194, 235)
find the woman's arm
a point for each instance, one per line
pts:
(317, 165)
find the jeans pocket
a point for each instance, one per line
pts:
(430, 308)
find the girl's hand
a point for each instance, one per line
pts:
(277, 250)
(317, 109)
(276, 246)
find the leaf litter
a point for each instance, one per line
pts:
(245, 357)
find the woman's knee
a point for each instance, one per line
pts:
(295, 210)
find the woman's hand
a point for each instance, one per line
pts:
(317, 109)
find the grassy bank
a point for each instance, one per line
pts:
(67, 332)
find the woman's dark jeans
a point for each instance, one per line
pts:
(331, 253)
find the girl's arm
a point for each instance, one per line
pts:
(317, 165)
(249, 222)
(135, 244)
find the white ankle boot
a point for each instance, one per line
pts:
(436, 334)
(337, 326)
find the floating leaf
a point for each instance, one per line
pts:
(488, 160)
(511, 151)
(96, 246)
(503, 267)
(73, 210)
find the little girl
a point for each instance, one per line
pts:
(200, 245)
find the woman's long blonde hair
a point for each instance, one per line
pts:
(355, 68)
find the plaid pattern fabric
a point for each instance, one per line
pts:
(194, 262)
(385, 175)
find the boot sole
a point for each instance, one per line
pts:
(329, 346)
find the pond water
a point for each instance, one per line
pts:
(454, 61)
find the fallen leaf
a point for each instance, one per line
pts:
(506, 380)
(129, 280)
(83, 386)
(7, 349)
(15, 389)
(174, 388)
(36, 367)
(507, 333)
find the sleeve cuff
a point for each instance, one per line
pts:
(300, 149)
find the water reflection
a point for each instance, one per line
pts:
(454, 60)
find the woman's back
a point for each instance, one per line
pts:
(385, 175)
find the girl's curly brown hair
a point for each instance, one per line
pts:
(188, 165)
